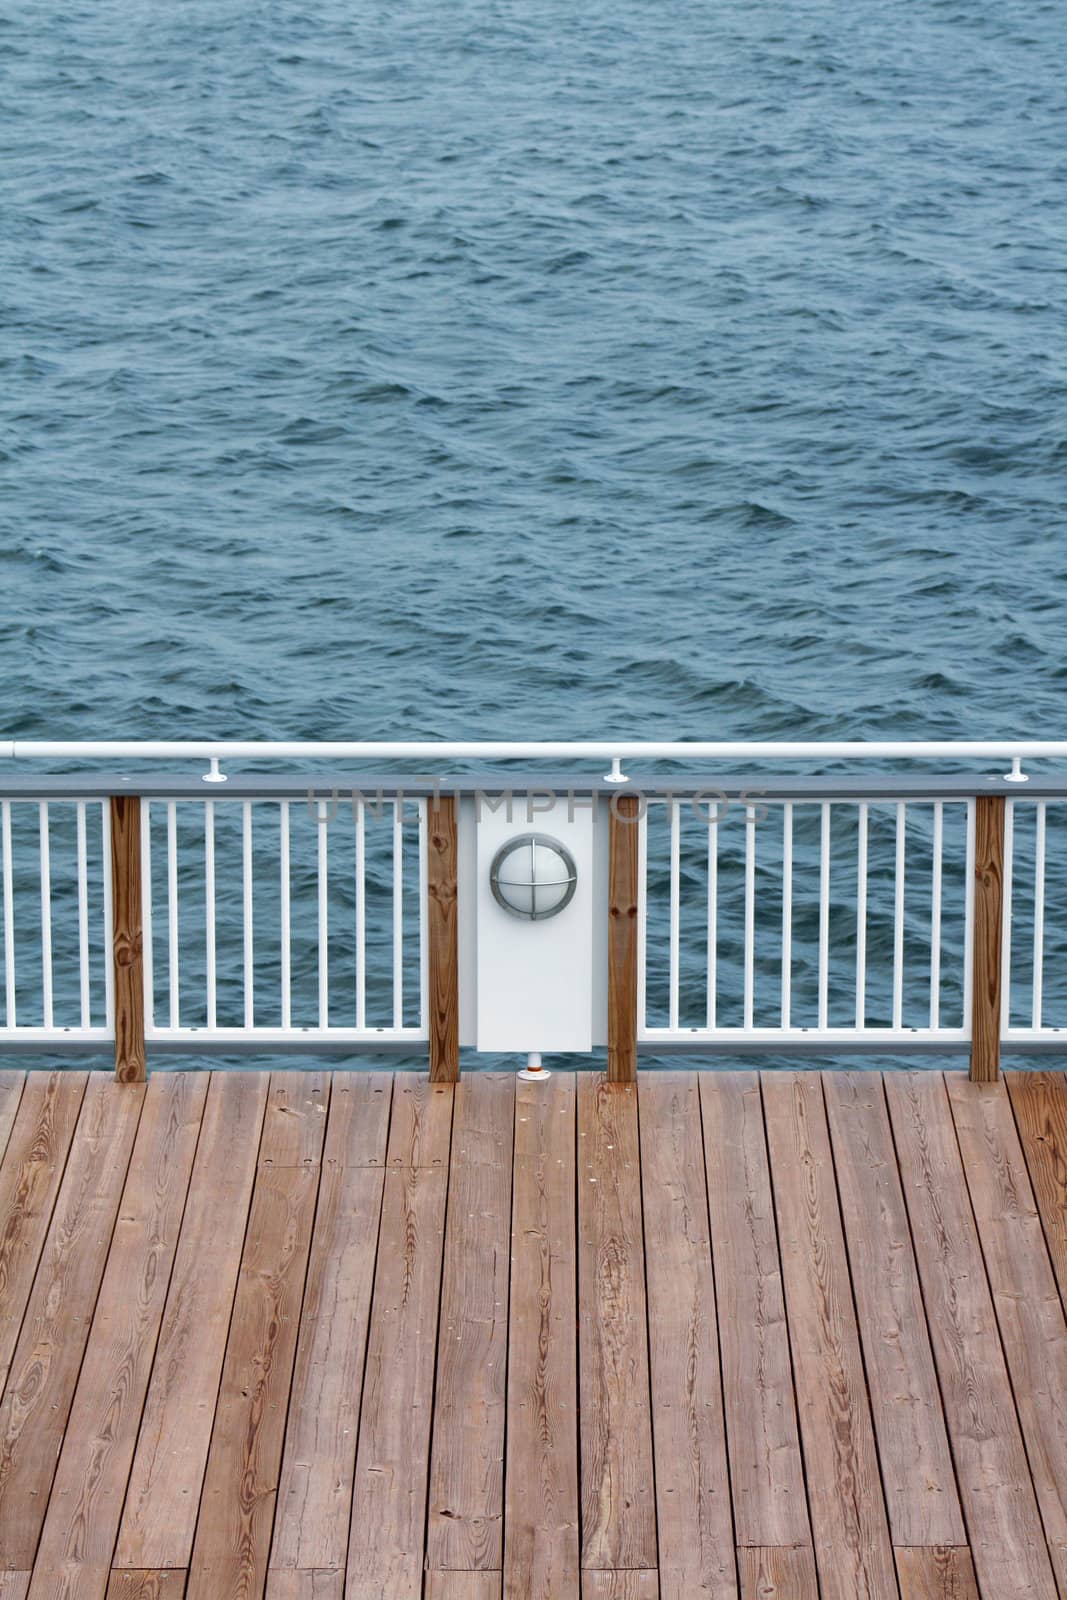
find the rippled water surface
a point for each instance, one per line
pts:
(533, 370)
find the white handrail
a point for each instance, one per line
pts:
(531, 749)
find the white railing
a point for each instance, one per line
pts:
(440, 751)
(806, 922)
(255, 925)
(828, 913)
(56, 856)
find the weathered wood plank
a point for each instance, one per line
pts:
(463, 1585)
(988, 916)
(127, 942)
(421, 1122)
(30, 1177)
(83, 1514)
(917, 1474)
(776, 1573)
(385, 1553)
(694, 1520)
(767, 1481)
(465, 1530)
(1007, 1540)
(1039, 1100)
(945, 1573)
(294, 1583)
(541, 1480)
(44, 1369)
(233, 1532)
(358, 1125)
(295, 1123)
(14, 1585)
(11, 1087)
(1025, 1297)
(165, 1585)
(623, 836)
(634, 1584)
(618, 1507)
(442, 932)
(156, 1533)
(318, 1461)
(848, 1513)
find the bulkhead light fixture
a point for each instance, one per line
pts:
(533, 877)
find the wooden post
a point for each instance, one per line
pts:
(442, 847)
(127, 938)
(624, 829)
(988, 932)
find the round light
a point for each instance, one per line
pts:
(533, 877)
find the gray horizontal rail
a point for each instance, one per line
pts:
(733, 787)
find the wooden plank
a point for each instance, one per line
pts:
(767, 1480)
(694, 1520)
(465, 1529)
(463, 1585)
(385, 1554)
(11, 1087)
(1025, 1297)
(776, 1573)
(292, 1583)
(295, 1124)
(240, 1483)
(623, 835)
(1039, 1100)
(944, 1573)
(541, 1480)
(318, 1461)
(634, 1584)
(14, 1585)
(853, 1551)
(442, 932)
(618, 1507)
(157, 1526)
(169, 1585)
(917, 1473)
(1007, 1540)
(988, 919)
(358, 1125)
(421, 1122)
(127, 940)
(30, 1177)
(44, 1370)
(86, 1502)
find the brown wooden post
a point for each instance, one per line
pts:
(442, 847)
(988, 933)
(624, 829)
(127, 938)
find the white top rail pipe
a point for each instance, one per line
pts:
(531, 749)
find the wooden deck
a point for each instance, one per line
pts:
(362, 1338)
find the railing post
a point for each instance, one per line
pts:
(442, 932)
(988, 937)
(624, 828)
(127, 938)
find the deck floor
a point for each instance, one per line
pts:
(360, 1338)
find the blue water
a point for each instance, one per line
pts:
(533, 370)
